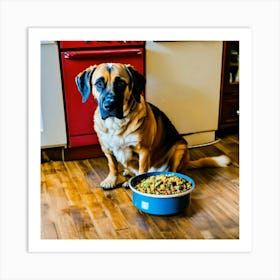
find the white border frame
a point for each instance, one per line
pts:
(244, 35)
(262, 16)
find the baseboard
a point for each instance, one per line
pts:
(59, 153)
(200, 138)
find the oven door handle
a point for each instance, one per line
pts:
(101, 53)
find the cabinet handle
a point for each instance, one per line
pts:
(101, 53)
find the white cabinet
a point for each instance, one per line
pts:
(53, 128)
(183, 80)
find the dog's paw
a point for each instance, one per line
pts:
(126, 173)
(109, 182)
(125, 185)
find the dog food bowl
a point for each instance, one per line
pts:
(160, 204)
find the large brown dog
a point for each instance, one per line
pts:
(130, 130)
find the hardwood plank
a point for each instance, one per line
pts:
(167, 225)
(111, 210)
(138, 224)
(77, 177)
(95, 209)
(59, 218)
(56, 202)
(105, 229)
(189, 230)
(48, 228)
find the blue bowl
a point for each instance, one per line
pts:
(160, 204)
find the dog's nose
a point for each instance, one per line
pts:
(109, 103)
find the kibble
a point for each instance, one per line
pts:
(163, 185)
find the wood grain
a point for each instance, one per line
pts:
(74, 207)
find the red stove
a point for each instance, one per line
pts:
(75, 57)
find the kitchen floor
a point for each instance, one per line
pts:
(74, 207)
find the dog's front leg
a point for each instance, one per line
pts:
(111, 179)
(144, 160)
(144, 163)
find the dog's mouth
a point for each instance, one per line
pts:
(111, 107)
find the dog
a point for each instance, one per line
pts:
(132, 131)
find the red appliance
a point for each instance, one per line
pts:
(77, 56)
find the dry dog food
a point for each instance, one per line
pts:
(163, 184)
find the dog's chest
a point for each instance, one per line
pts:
(121, 146)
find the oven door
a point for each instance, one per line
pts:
(79, 116)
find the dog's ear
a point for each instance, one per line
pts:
(83, 80)
(137, 82)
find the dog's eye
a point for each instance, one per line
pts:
(120, 84)
(100, 84)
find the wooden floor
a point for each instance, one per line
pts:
(74, 207)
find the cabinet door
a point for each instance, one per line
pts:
(79, 116)
(53, 130)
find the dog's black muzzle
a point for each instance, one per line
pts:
(109, 103)
(111, 106)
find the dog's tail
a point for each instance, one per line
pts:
(219, 161)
